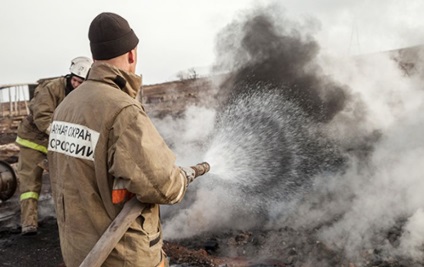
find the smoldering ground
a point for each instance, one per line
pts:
(324, 145)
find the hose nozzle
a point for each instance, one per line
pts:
(201, 168)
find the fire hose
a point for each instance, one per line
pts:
(131, 210)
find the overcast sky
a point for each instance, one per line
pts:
(39, 38)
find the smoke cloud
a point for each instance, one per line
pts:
(325, 145)
(267, 49)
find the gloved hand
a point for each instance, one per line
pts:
(194, 171)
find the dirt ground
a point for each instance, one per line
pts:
(42, 249)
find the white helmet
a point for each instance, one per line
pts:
(80, 66)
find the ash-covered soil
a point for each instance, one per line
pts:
(42, 249)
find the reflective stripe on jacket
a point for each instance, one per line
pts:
(32, 145)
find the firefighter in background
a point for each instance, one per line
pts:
(33, 134)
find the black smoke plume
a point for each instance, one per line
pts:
(259, 51)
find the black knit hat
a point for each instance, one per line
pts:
(110, 36)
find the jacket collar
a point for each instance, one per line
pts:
(128, 82)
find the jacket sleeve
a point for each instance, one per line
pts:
(43, 105)
(138, 155)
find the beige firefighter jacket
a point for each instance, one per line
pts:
(101, 138)
(47, 96)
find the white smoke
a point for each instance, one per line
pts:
(188, 135)
(351, 210)
(412, 239)
(359, 207)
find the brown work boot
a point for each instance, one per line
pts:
(29, 216)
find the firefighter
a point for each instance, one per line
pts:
(103, 150)
(33, 134)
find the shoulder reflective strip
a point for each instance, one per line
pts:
(27, 195)
(29, 144)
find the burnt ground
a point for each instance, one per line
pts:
(42, 249)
